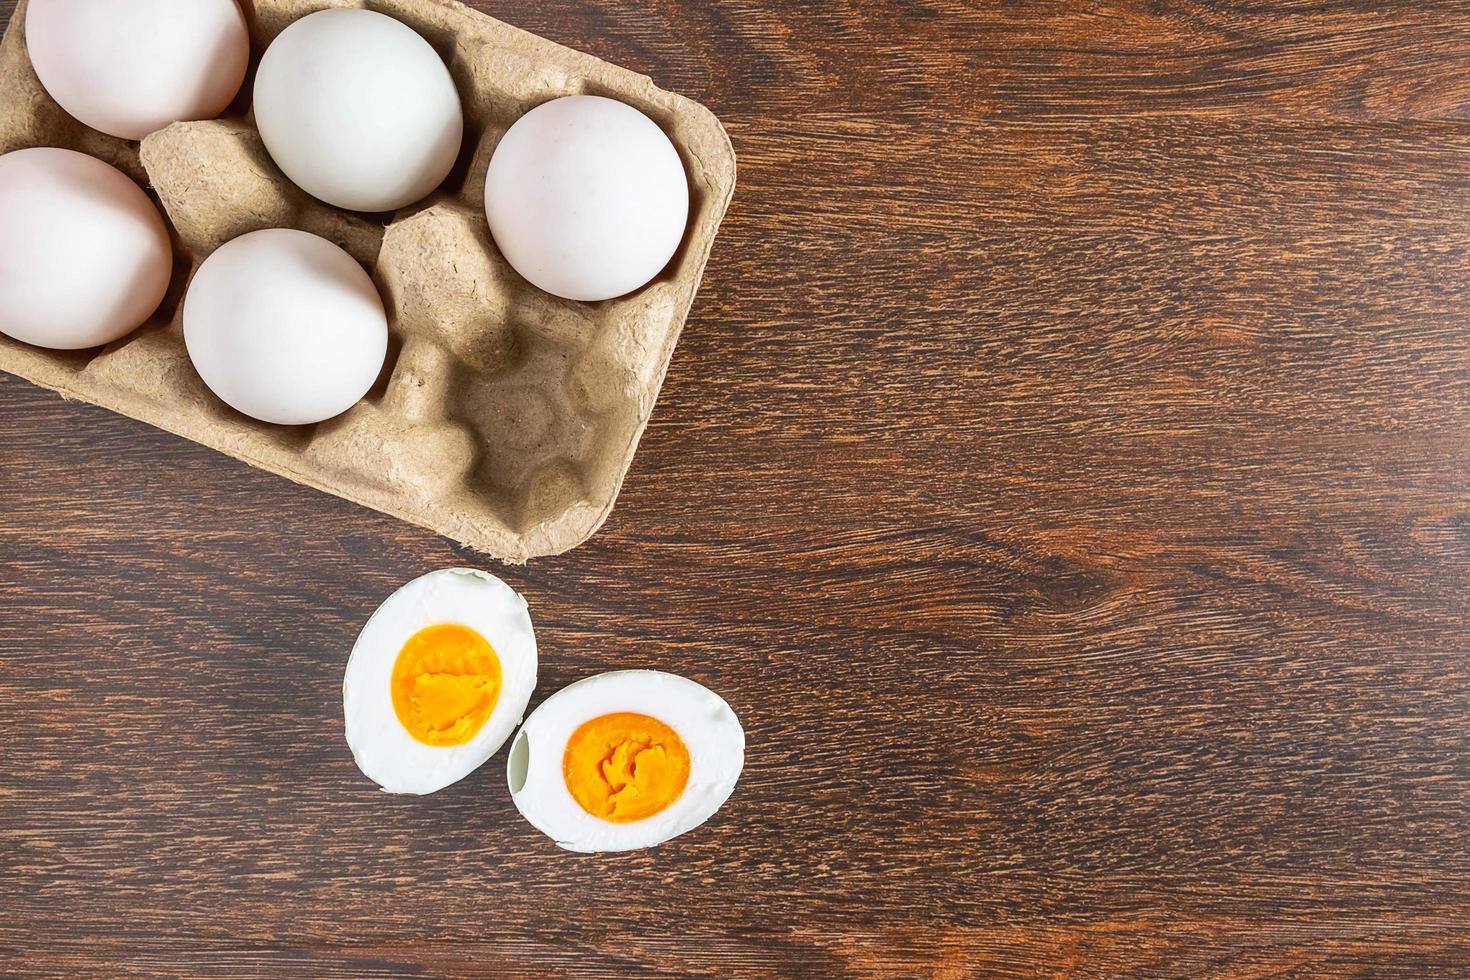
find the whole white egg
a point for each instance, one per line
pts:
(438, 680)
(358, 110)
(587, 198)
(285, 327)
(130, 67)
(84, 255)
(625, 760)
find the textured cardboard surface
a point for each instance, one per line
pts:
(506, 418)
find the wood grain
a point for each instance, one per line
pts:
(1064, 475)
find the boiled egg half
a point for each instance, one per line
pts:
(438, 680)
(625, 760)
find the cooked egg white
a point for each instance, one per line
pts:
(438, 680)
(625, 760)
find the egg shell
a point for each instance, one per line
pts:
(84, 255)
(707, 725)
(285, 327)
(358, 110)
(131, 67)
(587, 198)
(383, 749)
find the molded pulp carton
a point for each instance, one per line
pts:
(505, 418)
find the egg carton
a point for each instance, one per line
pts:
(505, 418)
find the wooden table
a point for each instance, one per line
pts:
(1065, 475)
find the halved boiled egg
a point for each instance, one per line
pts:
(625, 760)
(438, 680)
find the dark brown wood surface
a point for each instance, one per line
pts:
(1065, 475)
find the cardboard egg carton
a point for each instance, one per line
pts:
(506, 418)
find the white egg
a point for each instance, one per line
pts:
(358, 110)
(130, 67)
(587, 198)
(625, 760)
(285, 327)
(84, 255)
(438, 680)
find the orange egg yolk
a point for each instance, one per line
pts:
(625, 766)
(445, 684)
